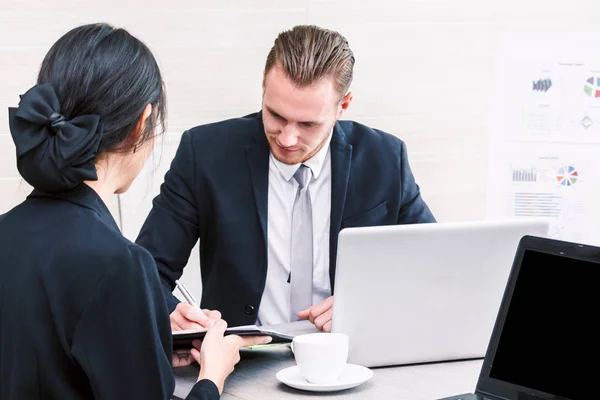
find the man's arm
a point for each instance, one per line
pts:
(413, 209)
(172, 227)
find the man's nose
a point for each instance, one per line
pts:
(288, 136)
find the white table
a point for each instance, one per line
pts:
(254, 378)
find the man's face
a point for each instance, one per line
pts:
(298, 120)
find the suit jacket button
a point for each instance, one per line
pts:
(250, 310)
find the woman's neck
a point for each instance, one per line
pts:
(104, 190)
(107, 183)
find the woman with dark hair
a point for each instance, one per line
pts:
(82, 314)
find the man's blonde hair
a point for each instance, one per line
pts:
(308, 53)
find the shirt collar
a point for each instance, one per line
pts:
(315, 163)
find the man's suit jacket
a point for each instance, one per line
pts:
(217, 190)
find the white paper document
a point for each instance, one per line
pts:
(545, 145)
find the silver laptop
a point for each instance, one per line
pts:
(426, 292)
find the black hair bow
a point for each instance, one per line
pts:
(53, 154)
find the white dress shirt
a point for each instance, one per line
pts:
(275, 303)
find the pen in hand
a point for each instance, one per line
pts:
(188, 296)
(186, 317)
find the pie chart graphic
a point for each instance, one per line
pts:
(592, 87)
(567, 175)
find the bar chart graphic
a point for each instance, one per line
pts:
(524, 174)
(542, 85)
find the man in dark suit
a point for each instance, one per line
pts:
(267, 194)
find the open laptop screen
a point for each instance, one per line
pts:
(550, 325)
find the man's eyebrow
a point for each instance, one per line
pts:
(277, 115)
(273, 112)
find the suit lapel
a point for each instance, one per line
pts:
(257, 156)
(341, 155)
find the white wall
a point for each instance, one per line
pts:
(424, 72)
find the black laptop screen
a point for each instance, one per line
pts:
(550, 323)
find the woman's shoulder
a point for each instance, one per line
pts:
(107, 247)
(78, 237)
(108, 263)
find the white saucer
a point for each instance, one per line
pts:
(352, 376)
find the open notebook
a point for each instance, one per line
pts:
(183, 339)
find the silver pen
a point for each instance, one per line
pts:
(188, 296)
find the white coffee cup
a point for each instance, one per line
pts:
(321, 357)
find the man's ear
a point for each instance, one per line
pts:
(345, 103)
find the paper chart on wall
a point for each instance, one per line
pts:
(545, 146)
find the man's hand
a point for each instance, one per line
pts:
(186, 316)
(183, 358)
(320, 315)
